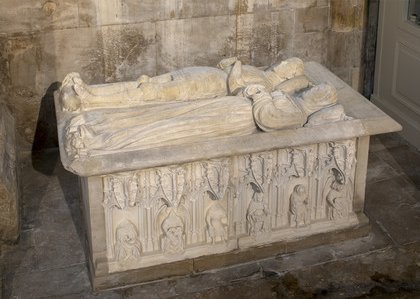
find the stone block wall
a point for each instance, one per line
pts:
(116, 40)
(9, 191)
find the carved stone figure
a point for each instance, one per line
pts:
(337, 197)
(191, 83)
(216, 221)
(257, 215)
(280, 110)
(100, 131)
(298, 206)
(173, 241)
(127, 245)
(191, 105)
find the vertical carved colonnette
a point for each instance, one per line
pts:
(169, 210)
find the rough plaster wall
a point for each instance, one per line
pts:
(116, 40)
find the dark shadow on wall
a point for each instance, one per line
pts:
(369, 52)
(46, 131)
(45, 158)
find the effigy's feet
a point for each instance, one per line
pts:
(227, 62)
(69, 79)
(81, 89)
(69, 99)
(143, 79)
(318, 97)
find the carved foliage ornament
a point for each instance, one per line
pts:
(171, 185)
(121, 191)
(216, 174)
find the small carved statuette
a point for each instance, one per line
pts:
(337, 202)
(257, 215)
(216, 221)
(298, 206)
(127, 245)
(173, 234)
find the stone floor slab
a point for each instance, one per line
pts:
(378, 170)
(405, 160)
(56, 282)
(396, 208)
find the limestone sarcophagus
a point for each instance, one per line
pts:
(205, 167)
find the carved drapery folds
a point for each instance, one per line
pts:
(172, 211)
(190, 105)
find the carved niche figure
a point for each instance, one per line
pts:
(337, 197)
(298, 206)
(217, 222)
(173, 241)
(191, 83)
(257, 215)
(127, 245)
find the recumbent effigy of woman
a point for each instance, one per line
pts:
(205, 167)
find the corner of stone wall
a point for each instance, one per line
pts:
(346, 40)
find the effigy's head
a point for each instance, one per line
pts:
(300, 189)
(126, 233)
(288, 68)
(173, 225)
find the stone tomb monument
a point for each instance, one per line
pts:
(9, 192)
(206, 167)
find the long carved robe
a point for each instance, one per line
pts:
(105, 131)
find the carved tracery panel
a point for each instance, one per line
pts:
(179, 210)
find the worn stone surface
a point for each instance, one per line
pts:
(9, 188)
(119, 40)
(345, 40)
(187, 214)
(372, 266)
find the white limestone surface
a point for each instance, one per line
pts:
(275, 155)
(147, 134)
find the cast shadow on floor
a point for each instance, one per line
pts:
(45, 158)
